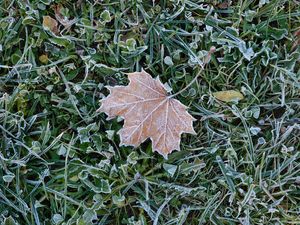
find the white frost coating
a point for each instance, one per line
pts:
(148, 113)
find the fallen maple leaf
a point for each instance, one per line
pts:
(148, 112)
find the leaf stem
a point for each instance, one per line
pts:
(206, 61)
(190, 84)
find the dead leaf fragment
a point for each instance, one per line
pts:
(224, 5)
(148, 112)
(44, 59)
(297, 40)
(63, 20)
(228, 96)
(50, 24)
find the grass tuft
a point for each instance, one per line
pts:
(60, 160)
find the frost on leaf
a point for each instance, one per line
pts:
(148, 112)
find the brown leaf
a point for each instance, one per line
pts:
(50, 24)
(297, 40)
(228, 96)
(148, 113)
(63, 20)
(224, 5)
